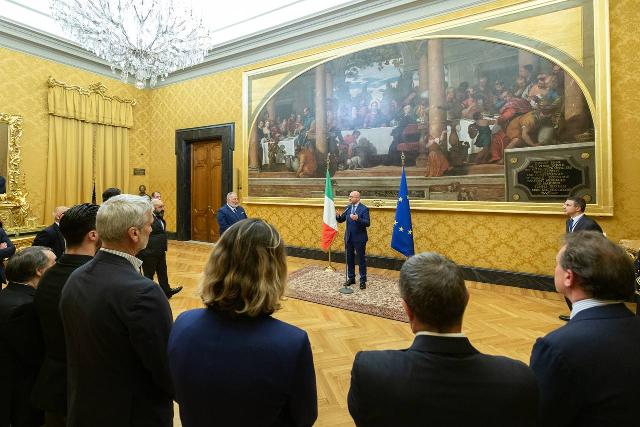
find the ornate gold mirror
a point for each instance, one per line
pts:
(15, 211)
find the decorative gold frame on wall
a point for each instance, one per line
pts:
(480, 23)
(15, 210)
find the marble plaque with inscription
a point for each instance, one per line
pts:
(550, 173)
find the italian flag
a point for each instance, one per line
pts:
(329, 222)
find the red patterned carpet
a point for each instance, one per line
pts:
(381, 298)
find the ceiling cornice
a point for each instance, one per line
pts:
(339, 23)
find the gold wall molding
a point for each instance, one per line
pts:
(15, 210)
(94, 88)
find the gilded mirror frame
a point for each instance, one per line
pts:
(262, 83)
(15, 210)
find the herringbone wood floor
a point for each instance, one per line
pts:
(498, 320)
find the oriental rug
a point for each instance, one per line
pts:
(381, 298)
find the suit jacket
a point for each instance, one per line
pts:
(5, 253)
(585, 224)
(226, 217)
(116, 324)
(20, 347)
(588, 369)
(241, 371)
(51, 237)
(157, 239)
(441, 381)
(50, 390)
(356, 230)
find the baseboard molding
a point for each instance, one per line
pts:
(477, 274)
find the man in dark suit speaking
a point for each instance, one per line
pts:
(441, 379)
(355, 237)
(51, 237)
(587, 370)
(230, 213)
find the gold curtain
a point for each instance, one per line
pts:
(88, 143)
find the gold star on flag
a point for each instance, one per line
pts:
(401, 229)
(409, 231)
(399, 199)
(395, 223)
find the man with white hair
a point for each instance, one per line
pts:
(116, 325)
(51, 237)
(154, 256)
(230, 213)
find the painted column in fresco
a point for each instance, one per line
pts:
(423, 86)
(254, 156)
(271, 111)
(320, 113)
(436, 89)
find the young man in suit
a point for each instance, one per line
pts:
(230, 213)
(587, 370)
(116, 326)
(441, 379)
(51, 237)
(574, 208)
(356, 215)
(78, 226)
(21, 348)
(154, 256)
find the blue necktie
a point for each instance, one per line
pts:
(570, 225)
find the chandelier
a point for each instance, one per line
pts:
(147, 39)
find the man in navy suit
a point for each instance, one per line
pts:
(587, 370)
(355, 238)
(441, 379)
(574, 208)
(230, 213)
(51, 237)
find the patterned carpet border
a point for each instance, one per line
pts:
(313, 284)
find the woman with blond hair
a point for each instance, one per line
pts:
(231, 362)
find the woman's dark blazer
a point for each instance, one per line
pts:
(241, 371)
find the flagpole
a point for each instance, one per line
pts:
(329, 267)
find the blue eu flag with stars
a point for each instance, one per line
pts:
(402, 237)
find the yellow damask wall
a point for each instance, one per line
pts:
(517, 242)
(23, 91)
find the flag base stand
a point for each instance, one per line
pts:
(346, 290)
(329, 267)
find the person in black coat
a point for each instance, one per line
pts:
(587, 370)
(21, 348)
(230, 213)
(116, 326)
(574, 208)
(154, 256)
(7, 249)
(441, 379)
(78, 225)
(51, 237)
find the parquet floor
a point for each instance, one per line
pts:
(498, 320)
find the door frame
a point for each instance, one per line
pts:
(184, 138)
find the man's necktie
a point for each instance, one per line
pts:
(570, 225)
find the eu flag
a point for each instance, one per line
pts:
(402, 237)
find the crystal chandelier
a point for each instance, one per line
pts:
(147, 39)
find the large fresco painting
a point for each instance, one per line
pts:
(471, 120)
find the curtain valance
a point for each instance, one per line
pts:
(90, 105)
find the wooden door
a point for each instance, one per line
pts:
(206, 188)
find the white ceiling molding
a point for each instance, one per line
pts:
(339, 23)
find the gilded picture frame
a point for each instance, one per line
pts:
(570, 33)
